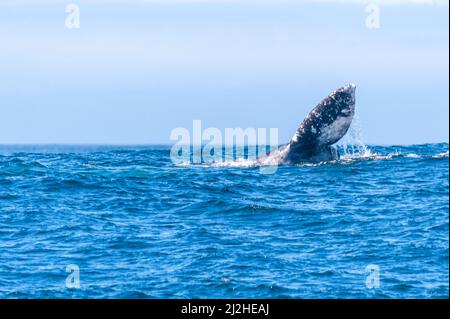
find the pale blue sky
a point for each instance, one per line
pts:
(137, 69)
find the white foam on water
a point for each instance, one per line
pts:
(413, 155)
(441, 155)
(239, 162)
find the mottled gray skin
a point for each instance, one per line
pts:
(326, 124)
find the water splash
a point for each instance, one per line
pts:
(352, 146)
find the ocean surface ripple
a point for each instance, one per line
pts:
(138, 226)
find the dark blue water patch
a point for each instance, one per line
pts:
(138, 226)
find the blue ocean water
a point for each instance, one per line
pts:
(138, 226)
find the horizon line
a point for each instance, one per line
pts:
(171, 144)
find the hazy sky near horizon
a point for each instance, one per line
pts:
(135, 70)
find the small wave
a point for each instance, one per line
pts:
(441, 155)
(240, 162)
(364, 153)
(413, 155)
(374, 156)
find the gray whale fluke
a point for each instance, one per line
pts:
(326, 124)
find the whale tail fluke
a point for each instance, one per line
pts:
(325, 125)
